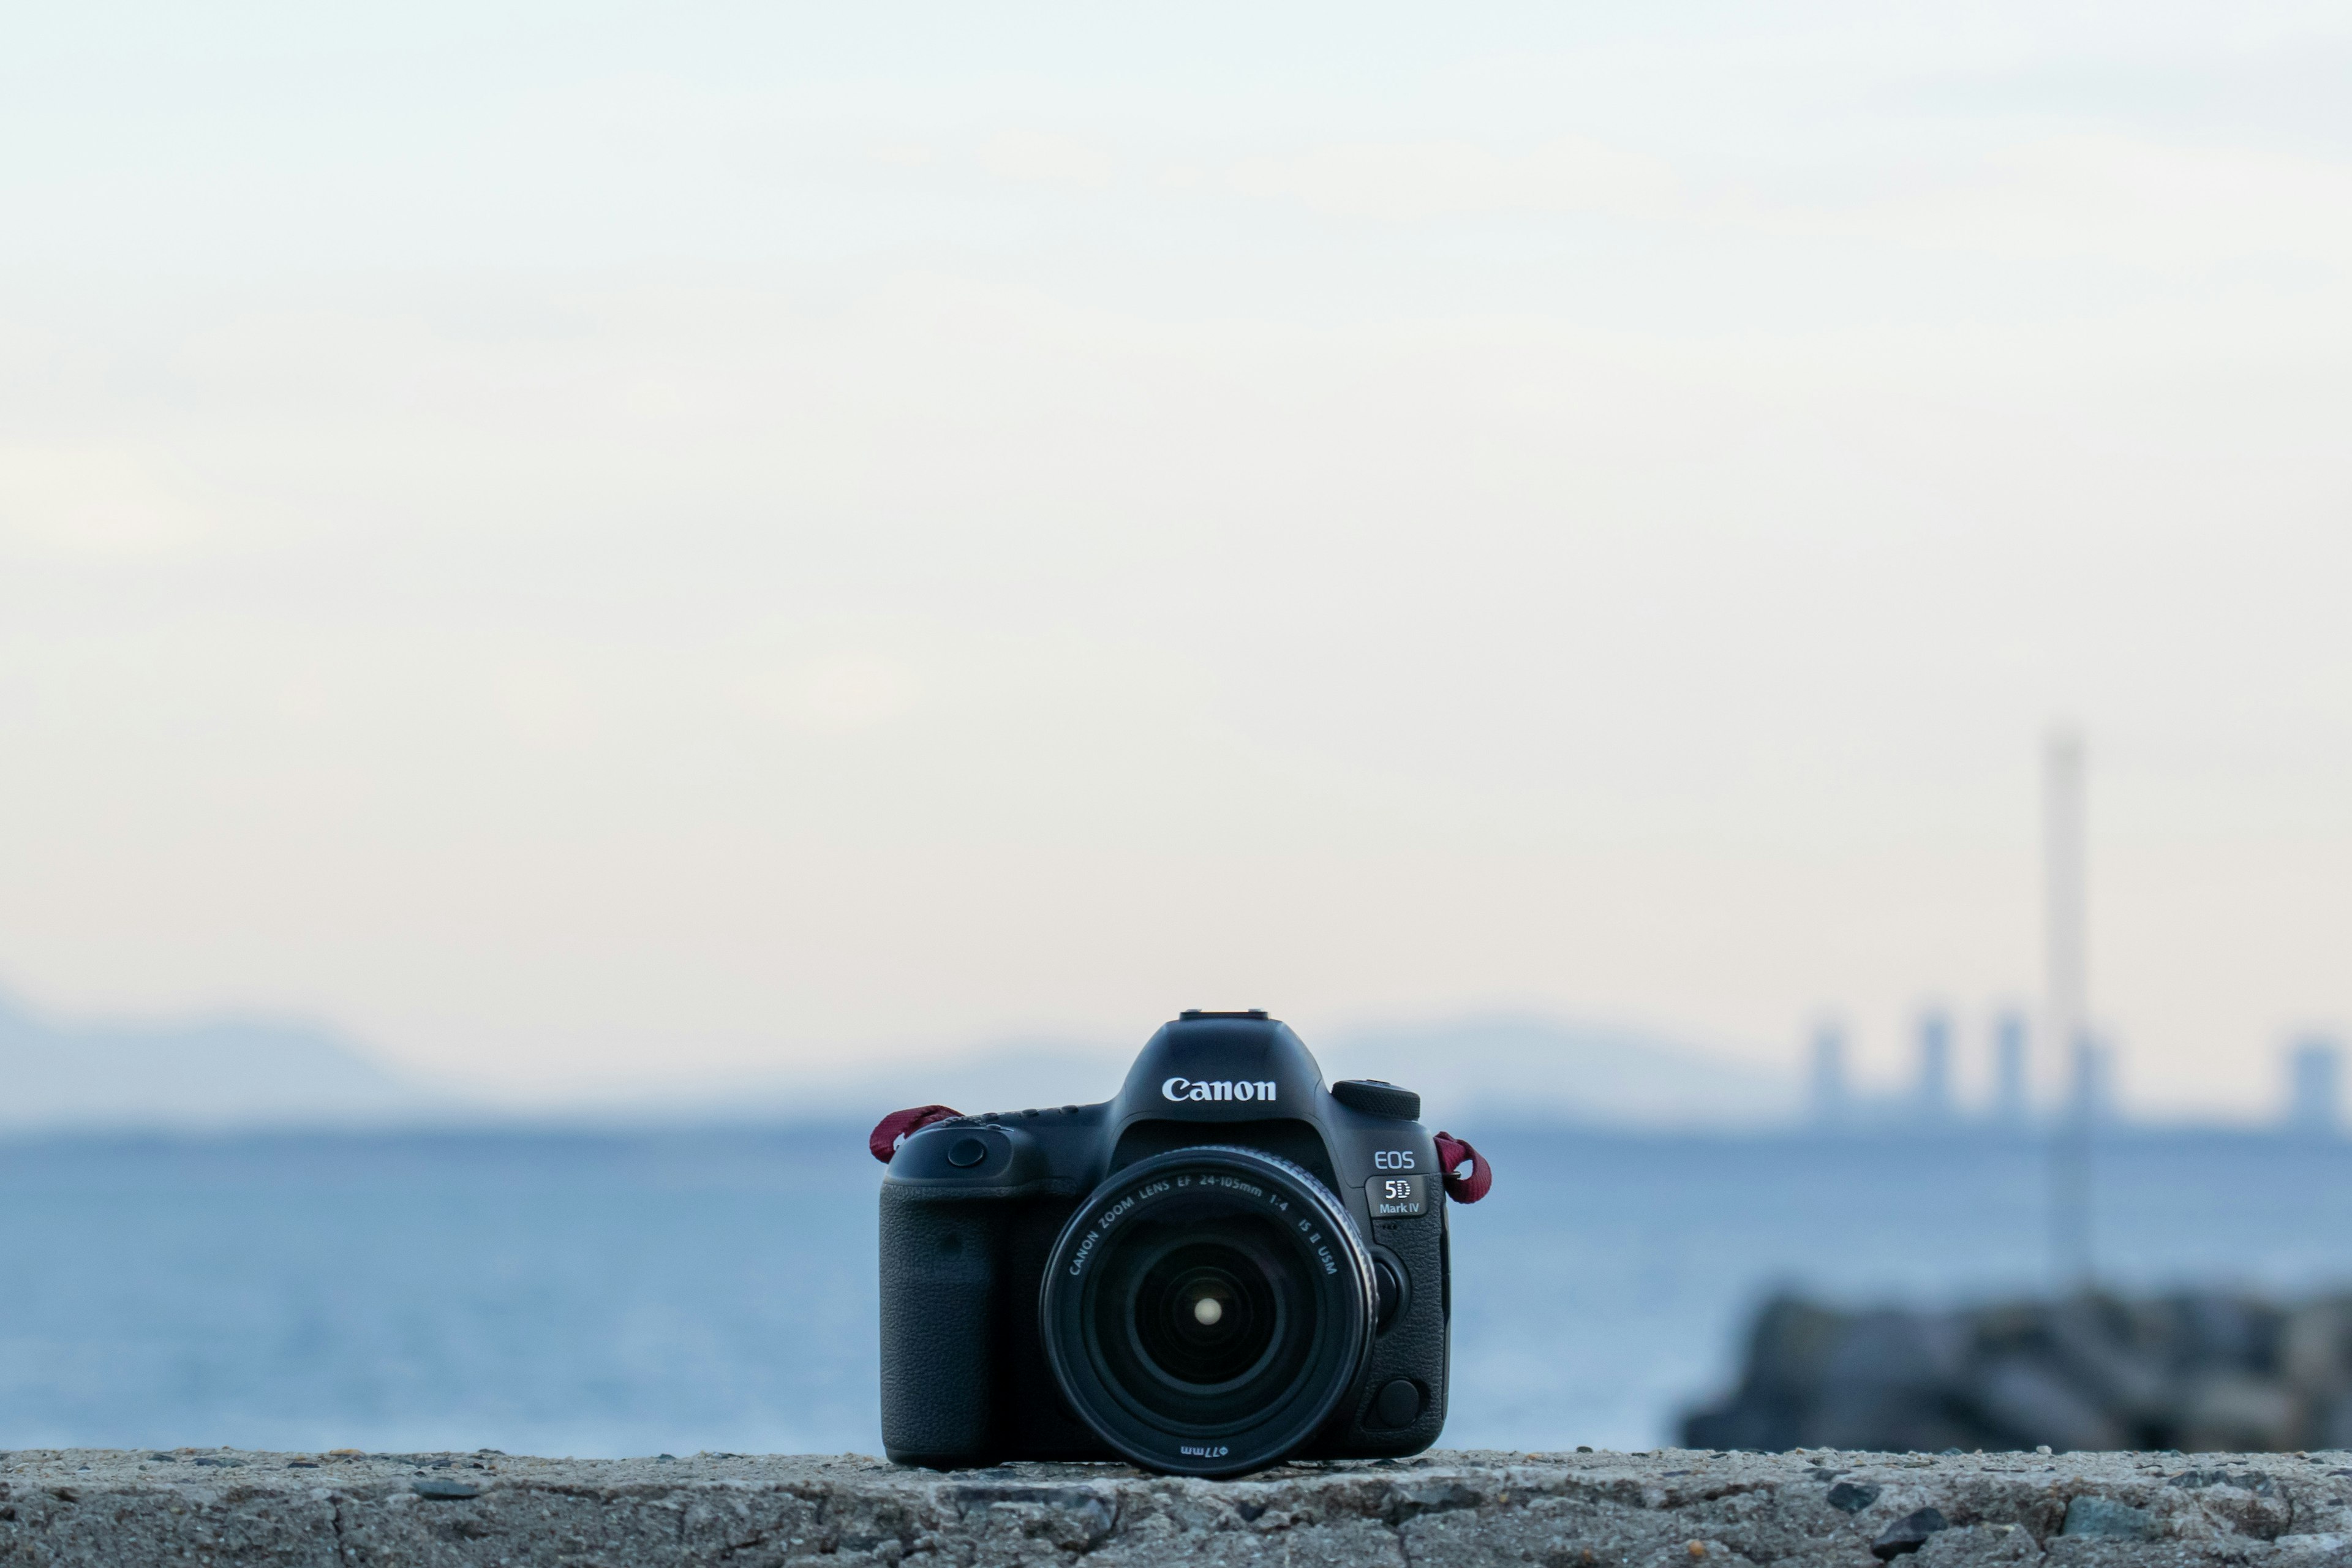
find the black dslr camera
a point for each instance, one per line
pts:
(1225, 1265)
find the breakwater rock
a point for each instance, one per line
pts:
(1441, 1511)
(2196, 1371)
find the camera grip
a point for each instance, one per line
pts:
(940, 1260)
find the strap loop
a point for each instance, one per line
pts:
(1452, 1154)
(900, 1125)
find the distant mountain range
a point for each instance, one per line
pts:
(220, 1072)
(1502, 1067)
(230, 1072)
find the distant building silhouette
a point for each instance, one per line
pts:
(2011, 1102)
(1827, 1089)
(2314, 1088)
(2090, 1098)
(1934, 1100)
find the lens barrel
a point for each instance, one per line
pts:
(1205, 1309)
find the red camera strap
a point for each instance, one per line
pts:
(900, 1125)
(1453, 1154)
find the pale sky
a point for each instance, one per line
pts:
(582, 542)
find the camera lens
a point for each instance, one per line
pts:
(1207, 1309)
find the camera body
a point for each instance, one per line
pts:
(1225, 1266)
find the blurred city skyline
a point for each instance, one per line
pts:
(226, 1074)
(580, 545)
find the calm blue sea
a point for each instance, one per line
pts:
(609, 1294)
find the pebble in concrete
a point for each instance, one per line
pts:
(1461, 1509)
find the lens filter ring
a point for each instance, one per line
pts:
(1205, 1309)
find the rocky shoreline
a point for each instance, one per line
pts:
(1444, 1510)
(2197, 1369)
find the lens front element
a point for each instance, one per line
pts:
(1204, 1317)
(1207, 1309)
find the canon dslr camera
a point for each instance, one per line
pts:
(1225, 1265)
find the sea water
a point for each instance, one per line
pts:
(610, 1293)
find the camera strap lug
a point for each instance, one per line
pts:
(900, 1125)
(1453, 1154)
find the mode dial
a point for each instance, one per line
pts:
(1374, 1098)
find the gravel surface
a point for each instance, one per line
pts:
(1670, 1506)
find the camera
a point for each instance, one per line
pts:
(1225, 1265)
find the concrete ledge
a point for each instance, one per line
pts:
(1676, 1507)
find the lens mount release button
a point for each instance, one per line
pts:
(967, 1151)
(1398, 1403)
(1393, 1197)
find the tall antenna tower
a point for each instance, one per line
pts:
(2066, 977)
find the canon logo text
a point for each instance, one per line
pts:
(1221, 1088)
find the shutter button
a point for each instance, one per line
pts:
(967, 1151)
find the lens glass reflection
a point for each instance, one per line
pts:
(1202, 1315)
